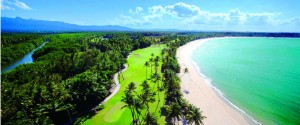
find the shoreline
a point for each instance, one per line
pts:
(205, 96)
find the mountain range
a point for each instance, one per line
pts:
(31, 25)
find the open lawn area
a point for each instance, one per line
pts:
(113, 113)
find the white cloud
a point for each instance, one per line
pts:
(157, 10)
(235, 18)
(155, 13)
(7, 5)
(128, 20)
(22, 5)
(291, 21)
(181, 15)
(4, 7)
(259, 19)
(179, 10)
(183, 10)
(137, 10)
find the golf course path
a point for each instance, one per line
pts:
(116, 87)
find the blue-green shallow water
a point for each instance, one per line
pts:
(259, 75)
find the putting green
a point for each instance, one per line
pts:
(112, 114)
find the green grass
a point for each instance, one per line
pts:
(112, 114)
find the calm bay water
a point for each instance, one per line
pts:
(259, 75)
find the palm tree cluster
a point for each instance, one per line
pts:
(140, 102)
(176, 108)
(165, 80)
(136, 103)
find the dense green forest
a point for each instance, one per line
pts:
(74, 72)
(16, 45)
(70, 75)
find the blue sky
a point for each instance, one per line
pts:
(207, 15)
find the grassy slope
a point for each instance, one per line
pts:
(112, 114)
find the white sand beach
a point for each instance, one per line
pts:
(201, 94)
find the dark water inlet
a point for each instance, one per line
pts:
(26, 59)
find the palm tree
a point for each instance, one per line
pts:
(150, 119)
(156, 59)
(147, 96)
(172, 113)
(156, 81)
(130, 88)
(129, 100)
(175, 113)
(156, 65)
(163, 51)
(145, 85)
(157, 78)
(185, 72)
(137, 106)
(194, 115)
(150, 61)
(184, 106)
(146, 65)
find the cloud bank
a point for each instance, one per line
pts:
(136, 11)
(191, 17)
(9, 5)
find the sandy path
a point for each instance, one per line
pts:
(201, 94)
(116, 87)
(113, 91)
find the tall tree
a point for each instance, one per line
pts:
(150, 119)
(185, 72)
(146, 65)
(194, 115)
(150, 62)
(130, 88)
(147, 95)
(130, 101)
(156, 80)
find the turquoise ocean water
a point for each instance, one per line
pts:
(261, 76)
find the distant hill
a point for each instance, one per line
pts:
(31, 25)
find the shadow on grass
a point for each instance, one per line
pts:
(80, 120)
(88, 114)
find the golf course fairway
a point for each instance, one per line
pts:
(113, 113)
